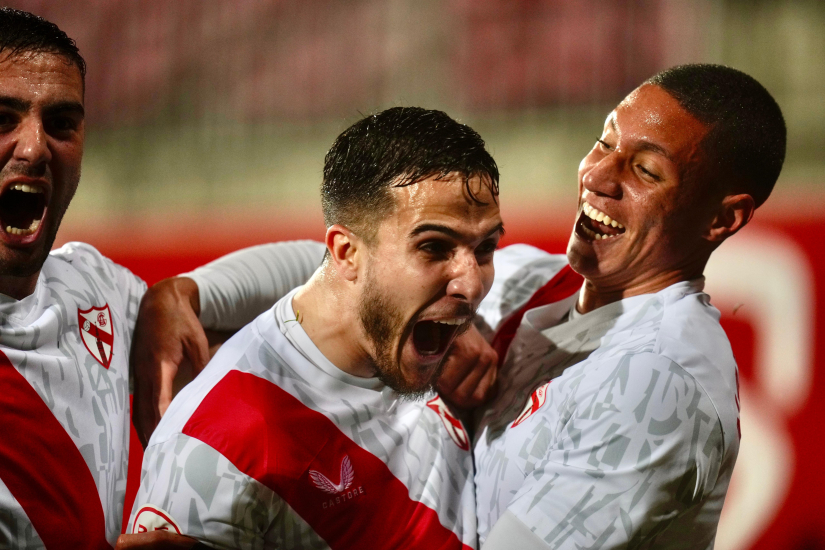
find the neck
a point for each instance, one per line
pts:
(18, 287)
(595, 294)
(329, 315)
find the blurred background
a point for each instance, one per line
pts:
(207, 124)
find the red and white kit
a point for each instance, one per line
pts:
(64, 404)
(274, 446)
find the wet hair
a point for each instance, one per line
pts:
(22, 32)
(745, 144)
(394, 148)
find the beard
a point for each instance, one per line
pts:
(384, 325)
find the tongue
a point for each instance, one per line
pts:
(427, 337)
(607, 229)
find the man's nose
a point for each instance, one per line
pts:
(603, 176)
(32, 142)
(466, 281)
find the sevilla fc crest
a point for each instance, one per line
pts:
(97, 333)
(451, 423)
(537, 399)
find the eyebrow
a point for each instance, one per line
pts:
(450, 232)
(65, 107)
(644, 145)
(19, 105)
(14, 103)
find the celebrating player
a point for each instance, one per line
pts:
(306, 429)
(617, 419)
(66, 318)
(617, 422)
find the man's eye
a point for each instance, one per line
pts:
(647, 172)
(6, 119)
(436, 248)
(486, 249)
(61, 124)
(604, 144)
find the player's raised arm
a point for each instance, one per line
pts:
(220, 297)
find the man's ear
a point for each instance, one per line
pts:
(735, 211)
(345, 252)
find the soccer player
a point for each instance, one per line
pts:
(315, 425)
(617, 421)
(66, 318)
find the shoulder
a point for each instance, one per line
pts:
(520, 271)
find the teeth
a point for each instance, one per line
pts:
(26, 188)
(449, 321)
(17, 231)
(598, 216)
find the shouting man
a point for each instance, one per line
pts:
(616, 423)
(308, 428)
(66, 318)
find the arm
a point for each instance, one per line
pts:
(170, 344)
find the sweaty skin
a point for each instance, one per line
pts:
(41, 145)
(437, 237)
(642, 174)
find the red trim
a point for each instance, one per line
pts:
(271, 436)
(566, 283)
(44, 470)
(157, 512)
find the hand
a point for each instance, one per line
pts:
(469, 376)
(156, 540)
(167, 333)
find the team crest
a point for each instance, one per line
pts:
(96, 332)
(451, 423)
(151, 518)
(537, 399)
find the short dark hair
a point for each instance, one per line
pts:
(747, 136)
(22, 32)
(394, 148)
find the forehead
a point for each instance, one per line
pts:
(651, 115)
(446, 201)
(39, 76)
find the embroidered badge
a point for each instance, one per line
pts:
(537, 399)
(151, 518)
(451, 423)
(96, 332)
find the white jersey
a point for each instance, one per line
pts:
(614, 429)
(64, 403)
(273, 446)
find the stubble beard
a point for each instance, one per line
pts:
(383, 323)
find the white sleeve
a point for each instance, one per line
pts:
(639, 452)
(240, 286)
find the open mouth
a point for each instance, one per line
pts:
(21, 209)
(432, 338)
(596, 225)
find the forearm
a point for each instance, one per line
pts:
(238, 287)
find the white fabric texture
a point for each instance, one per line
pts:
(614, 429)
(212, 500)
(42, 337)
(236, 288)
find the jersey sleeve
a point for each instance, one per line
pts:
(520, 271)
(188, 486)
(240, 286)
(637, 448)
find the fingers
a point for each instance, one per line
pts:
(156, 540)
(470, 371)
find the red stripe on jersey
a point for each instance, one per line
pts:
(44, 470)
(346, 494)
(566, 283)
